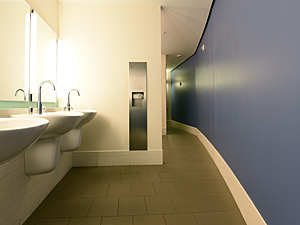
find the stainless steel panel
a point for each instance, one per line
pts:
(138, 105)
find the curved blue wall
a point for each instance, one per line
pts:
(244, 96)
(185, 94)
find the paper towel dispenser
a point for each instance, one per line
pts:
(138, 95)
(137, 99)
(138, 105)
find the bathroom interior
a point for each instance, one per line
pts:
(75, 80)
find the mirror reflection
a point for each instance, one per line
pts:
(46, 49)
(12, 49)
(13, 56)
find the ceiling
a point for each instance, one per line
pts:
(182, 25)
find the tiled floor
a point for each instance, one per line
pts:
(186, 190)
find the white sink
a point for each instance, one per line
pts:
(42, 157)
(72, 140)
(17, 134)
(59, 122)
(88, 115)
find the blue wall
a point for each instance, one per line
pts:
(245, 89)
(184, 94)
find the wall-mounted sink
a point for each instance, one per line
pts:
(88, 115)
(59, 122)
(17, 134)
(42, 157)
(72, 140)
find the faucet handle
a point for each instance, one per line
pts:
(30, 110)
(44, 109)
(68, 108)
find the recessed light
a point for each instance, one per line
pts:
(202, 47)
(178, 56)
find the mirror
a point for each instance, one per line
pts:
(12, 49)
(46, 49)
(12, 53)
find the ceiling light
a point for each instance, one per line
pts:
(202, 47)
(178, 56)
(30, 52)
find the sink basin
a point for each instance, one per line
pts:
(72, 140)
(17, 134)
(42, 156)
(59, 122)
(88, 115)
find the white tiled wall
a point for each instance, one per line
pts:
(117, 158)
(20, 195)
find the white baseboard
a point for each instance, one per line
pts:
(164, 131)
(117, 158)
(245, 204)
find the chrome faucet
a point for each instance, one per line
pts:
(40, 105)
(20, 89)
(69, 105)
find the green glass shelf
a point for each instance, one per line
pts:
(24, 104)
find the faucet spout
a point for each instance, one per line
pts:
(69, 104)
(40, 105)
(20, 89)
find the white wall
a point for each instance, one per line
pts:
(48, 10)
(98, 42)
